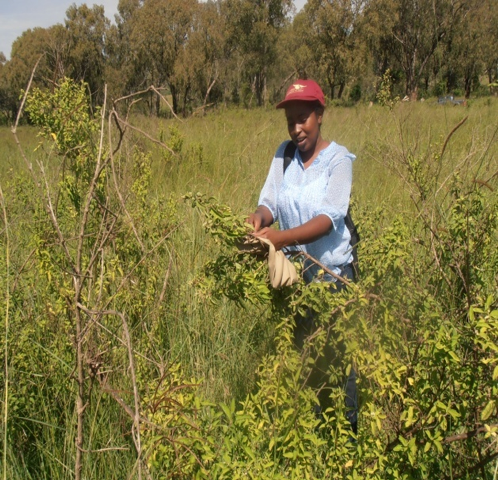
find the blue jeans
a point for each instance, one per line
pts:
(329, 358)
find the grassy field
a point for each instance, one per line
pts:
(230, 151)
(225, 154)
(237, 145)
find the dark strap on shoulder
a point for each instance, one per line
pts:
(290, 150)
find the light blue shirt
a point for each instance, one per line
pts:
(302, 194)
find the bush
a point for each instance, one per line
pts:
(355, 94)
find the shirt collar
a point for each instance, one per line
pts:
(319, 157)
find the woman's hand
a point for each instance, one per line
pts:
(308, 232)
(262, 217)
(277, 237)
(255, 220)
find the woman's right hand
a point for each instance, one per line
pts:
(255, 220)
(262, 217)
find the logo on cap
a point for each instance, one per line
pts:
(296, 88)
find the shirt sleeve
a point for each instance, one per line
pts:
(335, 202)
(269, 194)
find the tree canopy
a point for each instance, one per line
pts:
(247, 51)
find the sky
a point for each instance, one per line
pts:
(16, 16)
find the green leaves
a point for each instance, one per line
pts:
(489, 410)
(64, 117)
(420, 329)
(385, 95)
(219, 220)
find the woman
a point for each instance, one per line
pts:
(310, 199)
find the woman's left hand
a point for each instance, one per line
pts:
(277, 237)
(308, 232)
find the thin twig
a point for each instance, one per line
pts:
(96, 314)
(108, 449)
(154, 89)
(166, 279)
(136, 413)
(474, 468)
(53, 218)
(152, 139)
(466, 435)
(78, 286)
(114, 394)
(23, 101)
(300, 253)
(91, 192)
(144, 257)
(18, 274)
(120, 197)
(19, 113)
(136, 419)
(455, 128)
(6, 337)
(143, 92)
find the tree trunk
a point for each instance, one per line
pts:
(174, 96)
(467, 85)
(414, 94)
(411, 80)
(206, 97)
(185, 97)
(259, 84)
(341, 90)
(331, 88)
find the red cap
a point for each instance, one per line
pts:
(307, 90)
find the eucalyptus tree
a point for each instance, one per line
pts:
(4, 91)
(468, 51)
(76, 50)
(295, 57)
(295, 51)
(329, 28)
(463, 53)
(404, 34)
(28, 50)
(253, 30)
(123, 72)
(202, 62)
(158, 32)
(126, 8)
(86, 36)
(489, 45)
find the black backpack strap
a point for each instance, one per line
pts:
(355, 238)
(290, 150)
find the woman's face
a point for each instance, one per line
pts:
(303, 124)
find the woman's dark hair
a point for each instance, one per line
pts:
(318, 107)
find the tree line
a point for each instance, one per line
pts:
(245, 52)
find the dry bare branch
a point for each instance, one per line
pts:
(152, 139)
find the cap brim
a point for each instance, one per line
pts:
(283, 103)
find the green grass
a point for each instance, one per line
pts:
(238, 145)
